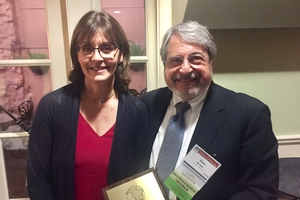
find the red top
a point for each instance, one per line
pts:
(91, 161)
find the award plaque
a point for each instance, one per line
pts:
(144, 186)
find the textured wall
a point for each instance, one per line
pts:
(7, 29)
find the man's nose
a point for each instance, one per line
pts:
(185, 67)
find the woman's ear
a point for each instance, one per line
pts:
(121, 58)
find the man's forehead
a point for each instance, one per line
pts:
(177, 42)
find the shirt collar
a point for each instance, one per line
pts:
(195, 103)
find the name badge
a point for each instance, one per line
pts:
(192, 174)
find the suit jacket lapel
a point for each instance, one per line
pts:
(210, 119)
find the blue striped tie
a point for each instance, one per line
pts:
(171, 145)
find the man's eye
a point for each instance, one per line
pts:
(196, 59)
(176, 61)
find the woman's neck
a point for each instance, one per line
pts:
(102, 97)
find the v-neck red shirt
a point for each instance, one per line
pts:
(91, 161)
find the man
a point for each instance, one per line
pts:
(234, 128)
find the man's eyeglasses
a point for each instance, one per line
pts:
(194, 60)
(105, 51)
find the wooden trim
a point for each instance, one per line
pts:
(289, 145)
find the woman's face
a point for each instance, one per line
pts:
(98, 67)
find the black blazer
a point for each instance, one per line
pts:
(236, 130)
(52, 143)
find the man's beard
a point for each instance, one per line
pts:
(191, 93)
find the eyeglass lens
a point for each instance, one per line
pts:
(195, 59)
(105, 51)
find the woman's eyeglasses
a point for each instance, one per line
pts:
(105, 51)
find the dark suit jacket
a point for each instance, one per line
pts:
(52, 142)
(236, 130)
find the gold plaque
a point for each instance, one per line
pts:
(142, 186)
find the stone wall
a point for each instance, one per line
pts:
(7, 30)
(12, 87)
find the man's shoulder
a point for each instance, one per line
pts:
(157, 94)
(238, 97)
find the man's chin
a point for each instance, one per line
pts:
(187, 94)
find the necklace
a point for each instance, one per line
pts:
(102, 101)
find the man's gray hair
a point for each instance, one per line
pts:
(192, 32)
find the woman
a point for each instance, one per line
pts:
(85, 135)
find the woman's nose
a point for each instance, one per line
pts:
(97, 55)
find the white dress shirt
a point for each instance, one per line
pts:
(191, 118)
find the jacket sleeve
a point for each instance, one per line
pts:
(39, 153)
(259, 159)
(129, 140)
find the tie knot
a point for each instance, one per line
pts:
(182, 107)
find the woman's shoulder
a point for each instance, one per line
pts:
(60, 95)
(131, 100)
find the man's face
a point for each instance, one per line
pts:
(188, 71)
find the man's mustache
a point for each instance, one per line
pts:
(185, 77)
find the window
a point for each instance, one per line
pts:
(23, 83)
(131, 15)
(26, 70)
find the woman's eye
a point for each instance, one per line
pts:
(106, 48)
(87, 48)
